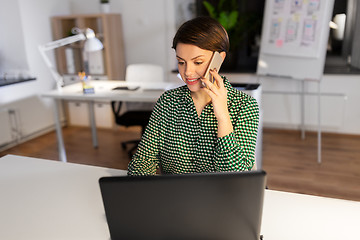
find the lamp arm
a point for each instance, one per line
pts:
(56, 44)
(58, 78)
(63, 41)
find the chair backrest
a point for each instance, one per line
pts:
(143, 73)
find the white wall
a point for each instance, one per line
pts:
(33, 19)
(34, 22)
(11, 57)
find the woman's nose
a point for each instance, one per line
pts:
(189, 70)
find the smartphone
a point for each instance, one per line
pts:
(215, 63)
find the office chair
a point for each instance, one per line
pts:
(135, 113)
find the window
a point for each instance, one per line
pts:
(244, 37)
(343, 54)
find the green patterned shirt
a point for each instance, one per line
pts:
(177, 140)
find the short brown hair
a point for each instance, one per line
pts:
(203, 32)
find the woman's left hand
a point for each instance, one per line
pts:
(218, 95)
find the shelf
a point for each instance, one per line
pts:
(10, 81)
(110, 61)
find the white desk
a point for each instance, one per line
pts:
(303, 217)
(43, 199)
(148, 92)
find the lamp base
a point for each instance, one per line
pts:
(88, 90)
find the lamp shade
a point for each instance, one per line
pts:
(92, 44)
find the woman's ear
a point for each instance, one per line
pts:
(223, 55)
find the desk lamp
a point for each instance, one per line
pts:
(92, 44)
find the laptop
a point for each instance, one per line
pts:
(205, 206)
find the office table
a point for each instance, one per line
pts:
(146, 92)
(43, 199)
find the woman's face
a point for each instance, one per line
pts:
(192, 64)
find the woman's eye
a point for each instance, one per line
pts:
(198, 63)
(181, 63)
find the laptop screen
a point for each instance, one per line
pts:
(189, 206)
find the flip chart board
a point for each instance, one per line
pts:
(294, 38)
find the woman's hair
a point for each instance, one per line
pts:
(203, 32)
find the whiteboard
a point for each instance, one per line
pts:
(294, 38)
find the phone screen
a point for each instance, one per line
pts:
(215, 63)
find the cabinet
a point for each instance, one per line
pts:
(108, 63)
(78, 114)
(24, 119)
(6, 127)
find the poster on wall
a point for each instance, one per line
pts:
(293, 27)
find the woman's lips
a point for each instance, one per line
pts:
(192, 81)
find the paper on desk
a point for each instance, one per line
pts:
(159, 86)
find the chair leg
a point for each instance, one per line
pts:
(132, 151)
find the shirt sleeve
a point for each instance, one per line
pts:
(236, 151)
(146, 161)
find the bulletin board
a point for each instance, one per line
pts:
(294, 38)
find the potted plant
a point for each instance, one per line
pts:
(105, 6)
(238, 25)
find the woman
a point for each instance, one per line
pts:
(195, 128)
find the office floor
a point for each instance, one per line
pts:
(291, 163)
